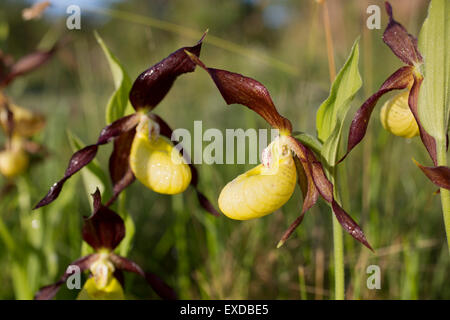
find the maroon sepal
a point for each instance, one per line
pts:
(402, 44)
(153, 84)
(439, 175)
(400, 79)
(49, 292)
(119, 166)
(165, 130)
(104, 229)
(239, 89)
(325, 188)
(428, 141)
(159, 286)
(26, 64)
(82, 157)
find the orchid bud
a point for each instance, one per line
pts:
(156, 163)
(13, 161)
(397, 118)
(26, 122)
(263, 189)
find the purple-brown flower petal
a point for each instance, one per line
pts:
(236, 88)
(400, 79)
(48, 292)
(82, 157)
(154, 83)
(27, 64)
(119, 167)
(104, 229)
(402, 44)
(428, 141)
(325, 188)
(159, 286)
(439, 175)
(165, 130)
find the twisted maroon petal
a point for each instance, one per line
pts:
(82, 157)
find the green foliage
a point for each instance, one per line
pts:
(332, 112)
(434, 45)
(118, 104)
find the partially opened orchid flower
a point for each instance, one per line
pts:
(19, 124)
(103, 231)
(142, 145)
(266, 188)
(400, 114)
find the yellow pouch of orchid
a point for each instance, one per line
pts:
(112, 291)
(157, 164)
(261, 190)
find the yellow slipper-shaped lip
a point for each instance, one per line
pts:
(260, 191)
(157, 164)
(397, 118)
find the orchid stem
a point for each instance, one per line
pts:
(339, 275)
(445, 194)
(338, 236)
(338, 243)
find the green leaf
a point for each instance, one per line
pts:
(93, 176)
(434, 45)
(331, 114)
(119, 104)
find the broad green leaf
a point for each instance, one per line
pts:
(93, 176)
(434, 45)
(331, 114)
(118, 104)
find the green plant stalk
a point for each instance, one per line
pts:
(338, 246)
(339, 275)
(445, 194)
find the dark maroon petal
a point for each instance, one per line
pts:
(439, 175)
(349, 224)
(310, 191)
(79, 159)
(310, 194)
(291, 229)
(48, 292)
(325, 188)
(402, 44)
(119, 166)
(165, 130)
(122, 184)
(428, 141)
(154, 83)
(118, 127)
(400, 79)
(104, 229)
(27, 64)
(82, 157)
(236, 88)
(159, 286)
(206, 204)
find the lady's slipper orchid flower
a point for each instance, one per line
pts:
(266, 188)
(141, 149)
(18, 123)
(103, 231)
(395, 117)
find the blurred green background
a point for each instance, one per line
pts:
(282, 44)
